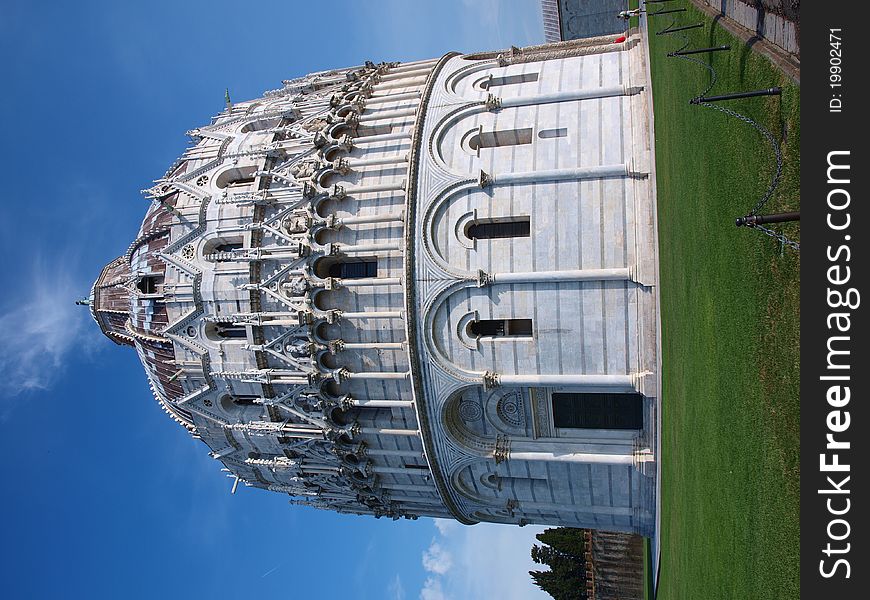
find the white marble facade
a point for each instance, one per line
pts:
(419, 289)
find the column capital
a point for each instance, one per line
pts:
(491, 380)
(493, 102)
(485, 179)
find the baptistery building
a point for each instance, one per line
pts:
(415, 289)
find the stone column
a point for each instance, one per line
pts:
(376, 218)
(349, 248)
(575, 173)
(388, 431)
(387, 114)
(565, 96)
(392, 97)
(612, 383)
(383, 137)
(618, 274)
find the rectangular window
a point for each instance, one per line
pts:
(504, 137)
(546, 134)
(597, 411)
(501, 328)
(510, 80)
(510, 227)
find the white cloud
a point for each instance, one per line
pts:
(41, 326)
(395, 589)
(481, 562)
(446, 527)
(432, 590)
(436, 559)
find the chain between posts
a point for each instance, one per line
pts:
(700, 101)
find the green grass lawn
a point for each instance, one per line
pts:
(730, 309)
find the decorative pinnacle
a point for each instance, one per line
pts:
(83, 302)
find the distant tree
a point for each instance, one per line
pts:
(562, 551)
(566, 540)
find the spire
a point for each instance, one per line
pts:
(227, 100)
(83, 302)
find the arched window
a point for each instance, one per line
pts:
(261, 124)
(236, 177)
(221, 249)
(232, 404)
(228, 247)
(148, 284)
(509, 80)
(501, 328)
(502, 137)
(507, 227)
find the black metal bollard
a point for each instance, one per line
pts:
(683, 28)
(665, 12)
(774, 91)
(699, 50)
(752, 220)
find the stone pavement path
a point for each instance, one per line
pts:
(771, 27)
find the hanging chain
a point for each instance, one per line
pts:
(757, 126)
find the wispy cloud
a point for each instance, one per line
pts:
(432, 590)
(41, 327)
(395, 589)
(270, 571)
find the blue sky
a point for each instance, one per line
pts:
(103, 495)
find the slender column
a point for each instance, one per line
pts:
(417, 81)
(373, 345)
(398, 73)
(392, 97)
(625, 511)
(388, 431)
(378, 375)
(614, 382)
(395, 314)
(370, 281)
(569, 446)
(568, 275)
(383, 137)
(347, 248)
(372, 162)
(378, 218)
(580, 457)
(416, 500)
(401, 471)
(407, 487)
(387, 114)
(568, 95)
(394, 186)
(400, 453)
(367, 403)
(414, 64)
(289, 380)
(595, 172)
